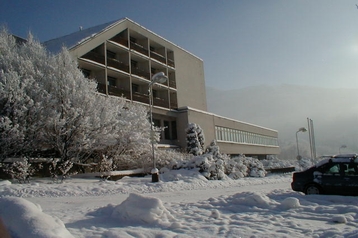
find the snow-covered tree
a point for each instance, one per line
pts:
(47, 105)
(20, 170)
(195, 139)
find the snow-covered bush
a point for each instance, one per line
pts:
(217, 166)
(60, 170)
(170, 158)
(20, 170)
(105, 165)
(195, 139)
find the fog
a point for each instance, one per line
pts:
(285, 108)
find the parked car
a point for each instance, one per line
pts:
(334, 175)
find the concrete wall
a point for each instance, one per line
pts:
(190, 80)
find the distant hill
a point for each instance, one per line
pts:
(286, 107)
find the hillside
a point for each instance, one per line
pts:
(286, 107)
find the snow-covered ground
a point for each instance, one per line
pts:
(182, 204)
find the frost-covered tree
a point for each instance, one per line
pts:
(21, 97)
(47, 105)
(195, 139)
(20, 170)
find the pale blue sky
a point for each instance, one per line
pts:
(242, 42)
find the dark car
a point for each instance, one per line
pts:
(334, 175)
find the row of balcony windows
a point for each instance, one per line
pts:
(141, 49)
(136, 96)
(96, 57)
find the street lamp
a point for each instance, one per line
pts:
(343, 146)
(156, 78)
(302, 129)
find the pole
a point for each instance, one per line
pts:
(298, 151)
(154, 172)
(313, 141)
(310, 136)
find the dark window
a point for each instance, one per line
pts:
(86, 72)
(174, 130)
(135, 87)
(111, 54)
(134, 63)
(156, 122)
(166, 130)
(134, 40)
(155, 93)
(111, 81)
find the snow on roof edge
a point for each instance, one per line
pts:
(110, 25)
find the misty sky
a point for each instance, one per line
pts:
(243, 43)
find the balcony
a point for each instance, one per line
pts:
(119, 92)
(173, 104)
(117, 64)
(160, 102)
(157, 56)
(140, 97)
(171, 63)
(141, 73)
(172, 83)
(101, 88)
(120, 40)
(94, 56)
(139, 48)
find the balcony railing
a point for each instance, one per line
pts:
(160, 102)
(120, 40)
(117, 64)
(172, 83)
(119, 92)
(138, 97)
(171, 63)
(173, 104)
(141, 73)
(94, 56)
(101, 88)
(139, 48)
(157, 56)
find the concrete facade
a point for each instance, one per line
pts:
(122, 56)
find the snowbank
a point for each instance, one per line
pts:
(25, 219)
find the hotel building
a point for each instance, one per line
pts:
(122, 56)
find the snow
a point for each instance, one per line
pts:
(182, 204)
(75, 38)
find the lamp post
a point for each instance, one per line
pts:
(156, 78)
(302, 129)
(342, 146)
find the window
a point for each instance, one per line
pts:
(166, 130)
(134, 64)
(135, 88)
(174, 130)
(155, 93)
(156, 122)
(111, 54)
(111, 81)
(132, 39)
(86, 72)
